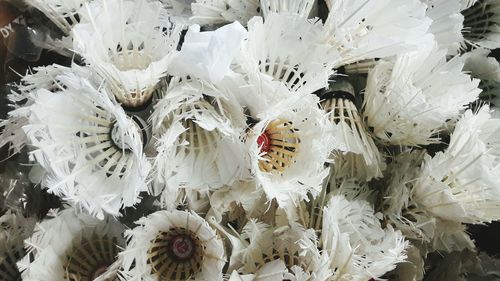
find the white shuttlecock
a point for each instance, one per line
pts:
(357, 246)
(73, 247)
(281, 47)
(43, 77)
(409, 100)
(302, 8)
(364, 29)
(399, 207)
(198, 139)
(289, 147)
(286, 252)
(174, 245)
(356, 154)
(487, 69)
(462, 183)
(91, 150)
(63, 13)
(447, 24)
(128, 43)
(218, 12)
(482, 24)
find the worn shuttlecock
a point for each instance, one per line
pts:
(280, 46)
(128, 43)
(218, 12)
(289, 146)
(363, 29)
(73, 247)
(357, 246)
(198, 138)
(447, 24)
(173, 245)
(356, 154)
(288, 252)
(398, 206)
(409, 100)
(461, 183)
(482, 24)
(91, 150)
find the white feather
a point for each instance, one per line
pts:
(364, 29)
(409, 100)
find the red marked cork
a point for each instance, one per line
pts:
(264, 142)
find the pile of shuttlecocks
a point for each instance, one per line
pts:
(254, 140)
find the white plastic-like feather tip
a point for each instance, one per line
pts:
(63, 13)
(482, 24)
(447, 24)
(481, 65)
(361, 29)
(174, 245)
(301, 8)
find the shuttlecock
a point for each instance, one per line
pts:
(289, 147)
(73, 247)
(357, 246)
(409, 100)
(198, 134)
(287, 252)
(461, 183)
(399, 208)
(91, 150)
(482, 24)
(173, 245)
(128, 43)
(363, 29)
(280, 46)
(356, 154)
